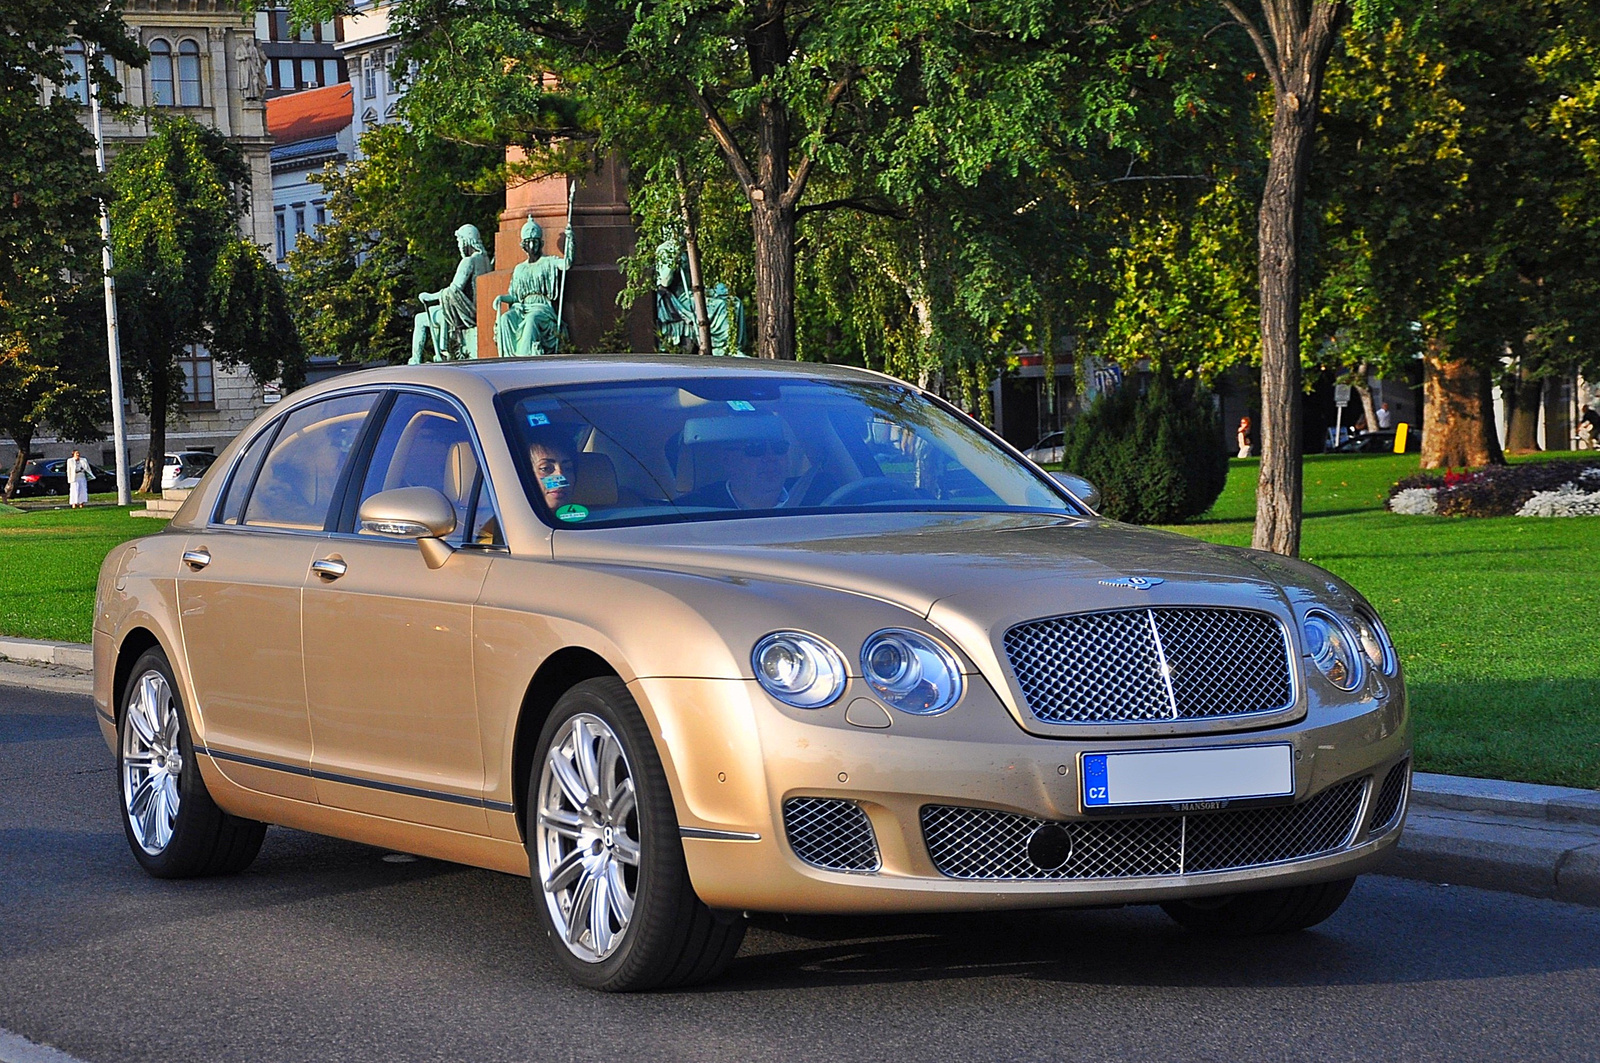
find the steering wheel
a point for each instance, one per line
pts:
(869, 490)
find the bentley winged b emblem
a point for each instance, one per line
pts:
(1137, 583)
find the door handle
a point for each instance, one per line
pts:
(197, 559)
(330, 568)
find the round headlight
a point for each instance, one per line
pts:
(1374, 641)
(910, 672)
(1333, 649)
(798, 669)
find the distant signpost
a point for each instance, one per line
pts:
(1341, 399)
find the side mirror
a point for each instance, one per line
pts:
(1082, 489)
(419, 513)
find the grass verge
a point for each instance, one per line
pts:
(1496, 618)
(49, 561)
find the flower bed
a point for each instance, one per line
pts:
(1528, 489)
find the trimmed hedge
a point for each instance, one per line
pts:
(1157, 456)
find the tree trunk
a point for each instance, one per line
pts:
(1302, 36)
(1557, 415)
(1454, 428)
(156, 457)
(1364, 390)
(23, 438)
(773, 226)
(1522, 412)
(691, 249)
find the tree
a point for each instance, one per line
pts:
(185, 276)
(392, 218)
(51, 366)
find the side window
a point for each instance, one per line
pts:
(302, 471)
(244, 474)
(424, 443)
(485, 522)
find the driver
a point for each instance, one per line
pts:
(756, 461)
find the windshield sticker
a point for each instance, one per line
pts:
(554, 483)
(572, 513)
(537, 420)
(741, 406)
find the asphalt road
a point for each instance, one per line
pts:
(324, 950)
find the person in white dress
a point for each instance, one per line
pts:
(78, 476)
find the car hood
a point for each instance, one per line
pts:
(988, 567)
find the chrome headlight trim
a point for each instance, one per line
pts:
(798, 669)
(911, 672)
(1374, 641)
(1333, 648)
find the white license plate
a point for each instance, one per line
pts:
(1176, 776)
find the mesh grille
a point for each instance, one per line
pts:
(1387, 806)
(1107, 667)
(830, 833)
(986, 843)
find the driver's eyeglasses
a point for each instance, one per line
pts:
(775, 447)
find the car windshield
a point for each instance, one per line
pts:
(711, 448)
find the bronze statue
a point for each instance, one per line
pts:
(527, 321)
(446, 328)
(675, 317)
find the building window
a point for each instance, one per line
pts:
(299, 221)
(282, 232)
(199, 392)
(369, 77)
(280, 25)
(390, 58)
(285, 74)
(308, 73)
(189, 73)
(77, 67)
(161, 87)
(321, 209)
(330, 72)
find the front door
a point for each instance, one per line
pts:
(239, 596)
(388, 641)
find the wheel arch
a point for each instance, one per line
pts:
(135, 642)
(558, 673)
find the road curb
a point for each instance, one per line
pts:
(1512, 837)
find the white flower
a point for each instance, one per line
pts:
(1414, 501)
(1568, 500)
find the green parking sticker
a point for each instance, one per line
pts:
(572, 513)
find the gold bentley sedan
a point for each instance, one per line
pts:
(683, 639)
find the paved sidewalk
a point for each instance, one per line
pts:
(1542, 841)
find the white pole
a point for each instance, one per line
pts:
(1338, 424)
(561, 299)
(119, 431)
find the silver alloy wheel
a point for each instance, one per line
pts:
(587, 837)
(151, 762)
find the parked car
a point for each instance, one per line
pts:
(1048, 450)
(49, 477)
(180, 469)
(684, 638)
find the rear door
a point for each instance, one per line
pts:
(239, 594)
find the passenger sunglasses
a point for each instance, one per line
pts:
(776, 447)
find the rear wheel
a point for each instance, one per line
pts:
(614, 893)
(1278, 911)
(173, 826)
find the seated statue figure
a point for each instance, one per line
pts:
(526, 321)
(675, 317)
(447, 326)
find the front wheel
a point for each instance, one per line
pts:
(608, 870)
(1278, 911)
(173, 826)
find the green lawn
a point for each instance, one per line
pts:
(49, 559)
(1497, 619)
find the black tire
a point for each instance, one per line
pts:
(204, 839)
(1279, 911)
(672, 939)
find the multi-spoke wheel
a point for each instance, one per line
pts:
(588, 837)
(174, 827)
(604, 850)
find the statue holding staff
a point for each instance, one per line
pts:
(447, 326)
(675, 317)
(527, 321)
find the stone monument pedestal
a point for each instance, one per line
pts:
(602, 231)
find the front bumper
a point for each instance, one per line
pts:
(734, 757)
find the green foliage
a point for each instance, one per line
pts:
(185, 275)
(1157, 456)
(391, 234)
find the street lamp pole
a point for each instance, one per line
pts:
(119, 430)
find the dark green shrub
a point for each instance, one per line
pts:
(1157, 456)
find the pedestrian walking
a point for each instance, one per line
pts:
(1244, 437)
(78, 476)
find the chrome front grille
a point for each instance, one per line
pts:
(1150, 665)
(984, 843)
(830, 833)
(1387, 804)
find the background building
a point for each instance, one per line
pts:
(370, 52)
(309, 129)
(307, 58)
